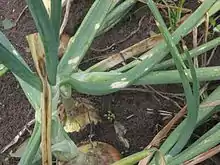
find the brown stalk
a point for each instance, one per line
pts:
(18, 136)
(37, 52)
(66, 16)
(163, 96)
(46, 118)
(210, 104)
(163, 133)
(131, 51)
(127, 53)
(203, 156)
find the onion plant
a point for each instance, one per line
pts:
(58, 79)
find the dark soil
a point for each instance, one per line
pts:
(131, 108)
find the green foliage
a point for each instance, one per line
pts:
(48, 28)
(34, 142)
(192, 95)
(194, 20)
(102, 16)
(83, 38)
(13, 60)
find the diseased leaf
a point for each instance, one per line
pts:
(78, 114)
(81, 41)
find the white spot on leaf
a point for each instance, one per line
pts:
(123, 79)
(216, 70)
(119, 84)
(2, 67)
(97, 26)
(73, 60)
(202, 48)
(72, 39)
(15, 52)
(148, 55)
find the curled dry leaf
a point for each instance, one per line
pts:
(76, 114)
(64, 40)
(64, 2)
(120, 131)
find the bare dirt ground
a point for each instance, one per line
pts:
(131, 108)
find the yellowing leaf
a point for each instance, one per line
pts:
(79, 113)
